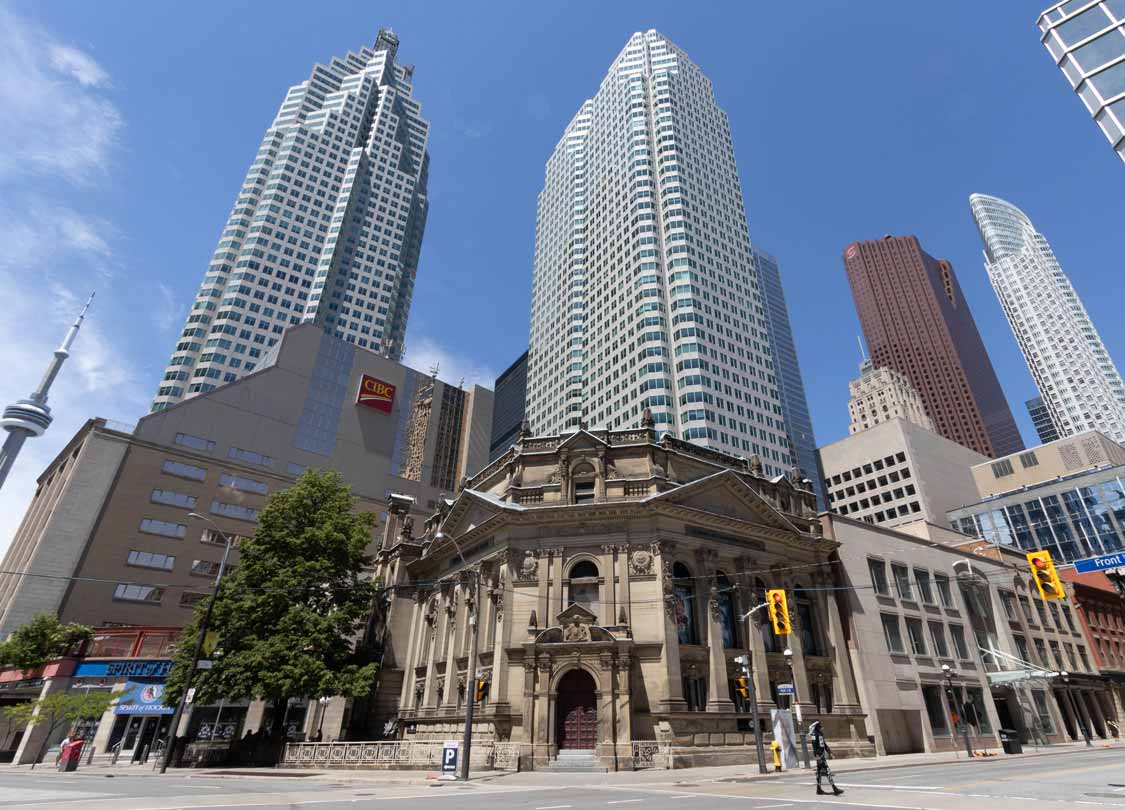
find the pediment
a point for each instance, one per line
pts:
(469, 511)
(576, 614)
(727, 495)
(581, 440)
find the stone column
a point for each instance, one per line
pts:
(544, 711)
(34, 736)
(449, 696)
(793, 642)
(429, 693)
(606, 595)
(623, 585)
(1081, 704)
(718, 691)
(607, 722)
(1094, 709)
(844, 688)
(670, 650)
(1062, 698)
(412, 648)
(558, 598)
(501, 623)
(100, 743)
(624, 708)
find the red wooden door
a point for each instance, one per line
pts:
(577, 712)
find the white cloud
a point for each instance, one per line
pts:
(423, 353)
(166, 314)
(56, 119)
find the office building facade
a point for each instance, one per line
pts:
(508, 407)
(916, 321)
(787, 369)
(326, 229)
(879, 394)
(1087, 42)
(1041, 420)
(1076, 377)
(1067, 497)
(112, 508)
(645, 292)
(897, 473)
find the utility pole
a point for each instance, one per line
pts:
(745, 661)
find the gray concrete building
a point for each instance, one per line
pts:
(919, 602)
(897, 472)
(107, 540)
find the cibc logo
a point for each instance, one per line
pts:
(852, 250)
(375, 394)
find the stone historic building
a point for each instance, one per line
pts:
(614, 570)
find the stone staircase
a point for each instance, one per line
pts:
(571, 760)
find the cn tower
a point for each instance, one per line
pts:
(31, 417)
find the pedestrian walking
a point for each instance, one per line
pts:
(822, 752)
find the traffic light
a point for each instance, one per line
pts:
(779, 611)
(482, 690)
(1045, 575)
(742, 686)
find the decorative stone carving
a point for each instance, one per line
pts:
(406, 531)
(640, 564)
(529, 568)
(669, 589)
(713, 604)
(622, 617)
(533, 621)
(576, 632)
(756, 465)
(611, 472)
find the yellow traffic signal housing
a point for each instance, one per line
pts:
(1045, 576)
(779, 611)
(742, 686)
(482, 690)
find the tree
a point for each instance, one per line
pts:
(41, 640)
(58, 708)
(287, 618)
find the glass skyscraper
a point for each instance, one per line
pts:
(1076, 377)
(327, 227)
(794, 404)
(1087, 41)
(645, 292)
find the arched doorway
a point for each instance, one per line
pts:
(577, 712)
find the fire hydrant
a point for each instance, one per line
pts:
(775, 748)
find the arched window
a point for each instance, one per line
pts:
(582, 585)
(584, 482)
(765, 628)
(683, 591)
(727, 618)
(806, 617)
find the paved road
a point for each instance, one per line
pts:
(1076, 781)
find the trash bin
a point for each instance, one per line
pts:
(1010, 740)
(71, 753)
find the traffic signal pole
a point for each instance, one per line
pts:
(756, 719)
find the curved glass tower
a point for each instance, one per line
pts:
(1078, 381)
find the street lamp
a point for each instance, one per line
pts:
(471, 667)
(948, 672)
(200, 635)
(797, 704)
(1074, 708)
(323, 701)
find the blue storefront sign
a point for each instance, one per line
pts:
(142, 698)
(1099, 563)
(136, 668)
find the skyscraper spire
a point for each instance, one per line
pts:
(31, 416)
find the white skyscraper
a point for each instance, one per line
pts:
(1078, 381)
(327, 227)
(645, 292)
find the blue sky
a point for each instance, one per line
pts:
(128, 127)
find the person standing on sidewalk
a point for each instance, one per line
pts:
(822, 752)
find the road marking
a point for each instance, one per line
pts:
(624, 801)
(554, 807)
(888, 787)
(768, 806)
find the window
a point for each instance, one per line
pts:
(182, 470)
(925, 590)
(1039, 697)
(212, 537)
(917, 638)
(935, 710)
(167, 496)
(234, 510)
(582, 587)
(138, 593)
(163, 527)
(1022, 648)
(937, 635)
(892, 631)
(205, 568)
(902, 581)
(296, 469)
(807, 618)
(195, 442)
(1041, 651)
(727, 619)
(878, 570)
(191, 598)
(1008, 600)
(1002, 468)
(684, 603)
(945, 593)
(149, 559)
(1029, 459)
(957, 633)
(976, 699)
(1069, 618)
(250, 457)
(242, 484)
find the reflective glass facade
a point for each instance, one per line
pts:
(1080, 516)
(1087, 41)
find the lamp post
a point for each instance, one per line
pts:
(797, 706)
(471, 665)
(323, 701)
(1074, 708)
(948, 673)
(200, 635)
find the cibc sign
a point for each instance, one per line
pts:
(375, 394)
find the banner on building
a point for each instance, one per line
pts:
(142, 698)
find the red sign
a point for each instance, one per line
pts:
(375, 394)
(851, 252)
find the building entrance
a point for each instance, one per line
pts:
(577, 719)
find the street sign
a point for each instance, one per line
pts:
(190, 695)
(785, 689)
(204, 663)
(449, 759)
(1099, 563)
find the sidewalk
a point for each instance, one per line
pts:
(646, 777)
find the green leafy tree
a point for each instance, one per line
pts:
(59, 708)
(288, 617)
(41, 640)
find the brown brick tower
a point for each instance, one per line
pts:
(916, 321)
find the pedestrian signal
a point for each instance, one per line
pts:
(742, 686)
(779, 611)
(1045, 575)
